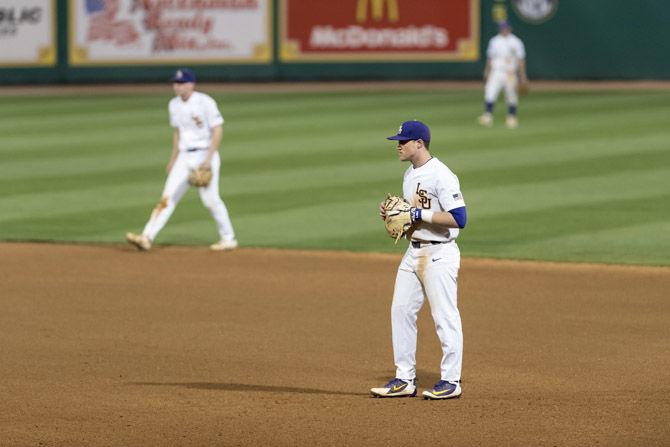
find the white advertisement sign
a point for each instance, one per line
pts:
(170, 31)
(27, 32)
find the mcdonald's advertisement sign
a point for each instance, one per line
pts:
(379, 30)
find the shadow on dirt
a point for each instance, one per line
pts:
(247, 388)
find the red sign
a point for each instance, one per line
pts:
(379, 30)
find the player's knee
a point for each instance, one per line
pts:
(210, 202)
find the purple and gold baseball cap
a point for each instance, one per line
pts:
(412, 130)
(504, 24)
(183, 75)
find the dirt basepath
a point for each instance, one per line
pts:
(105, 346)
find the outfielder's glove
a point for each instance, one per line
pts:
(397, 220)
(523, 88)
(200, 177)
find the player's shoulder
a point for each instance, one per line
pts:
(174, 104)
(439, 164)
(204, 97)
(444, 172)
(495, 39)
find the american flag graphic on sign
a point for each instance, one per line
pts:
(93, 6)
(104, 25)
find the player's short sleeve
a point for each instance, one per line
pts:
(212, 113)
(449, 193)
(490, 50)
(173, 114)
(521, 49)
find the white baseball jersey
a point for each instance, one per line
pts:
(194, 118)
(433, 187)
(505, 53)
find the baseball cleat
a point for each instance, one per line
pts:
(486, 120)
(443, 390)
(396, 388)
(512, 122)
(224, 245)
(139, 240)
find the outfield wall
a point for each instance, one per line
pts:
(73, 41)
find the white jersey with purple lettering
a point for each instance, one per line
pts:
(432, 187)
(504, 53)
(194, 118)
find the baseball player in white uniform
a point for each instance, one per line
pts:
(197, 125)
(429, 268)
(505, 69)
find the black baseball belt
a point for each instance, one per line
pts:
(419, 244)
(194, 149)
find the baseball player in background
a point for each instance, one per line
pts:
(197, 125)
(505, 69)
(429, 268)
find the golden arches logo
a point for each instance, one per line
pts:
(376, 8)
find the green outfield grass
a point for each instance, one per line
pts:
(585, 178)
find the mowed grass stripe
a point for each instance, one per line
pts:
(301, 226)
(300, 220)
(529, 239)
(500, 201)
(112, 172)
(27, 107)
(572, 169)
(59, 144)
(80, 120)
(94, 162)
(609, 245)
(584, 101)
(306, 187)
(553, 150)
(530, 225)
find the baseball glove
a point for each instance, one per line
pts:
(398, 220)
(200, 176)
(523, 88)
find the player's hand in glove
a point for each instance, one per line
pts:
(523, 87)
(397, 215)
(201, 176)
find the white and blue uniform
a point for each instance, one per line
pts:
(429, 269)
(194, 118)
(504, 53)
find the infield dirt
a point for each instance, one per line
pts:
(106, 346)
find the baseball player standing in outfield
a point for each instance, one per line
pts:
(505, 69)
(197, 125)
(429, 268)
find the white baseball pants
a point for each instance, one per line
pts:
(430, 272)
(177, 184)
(497, 81)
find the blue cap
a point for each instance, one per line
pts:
(183, 75)
(412, 130)
(503, 24)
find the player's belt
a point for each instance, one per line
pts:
(419, 244)
(194, 149)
